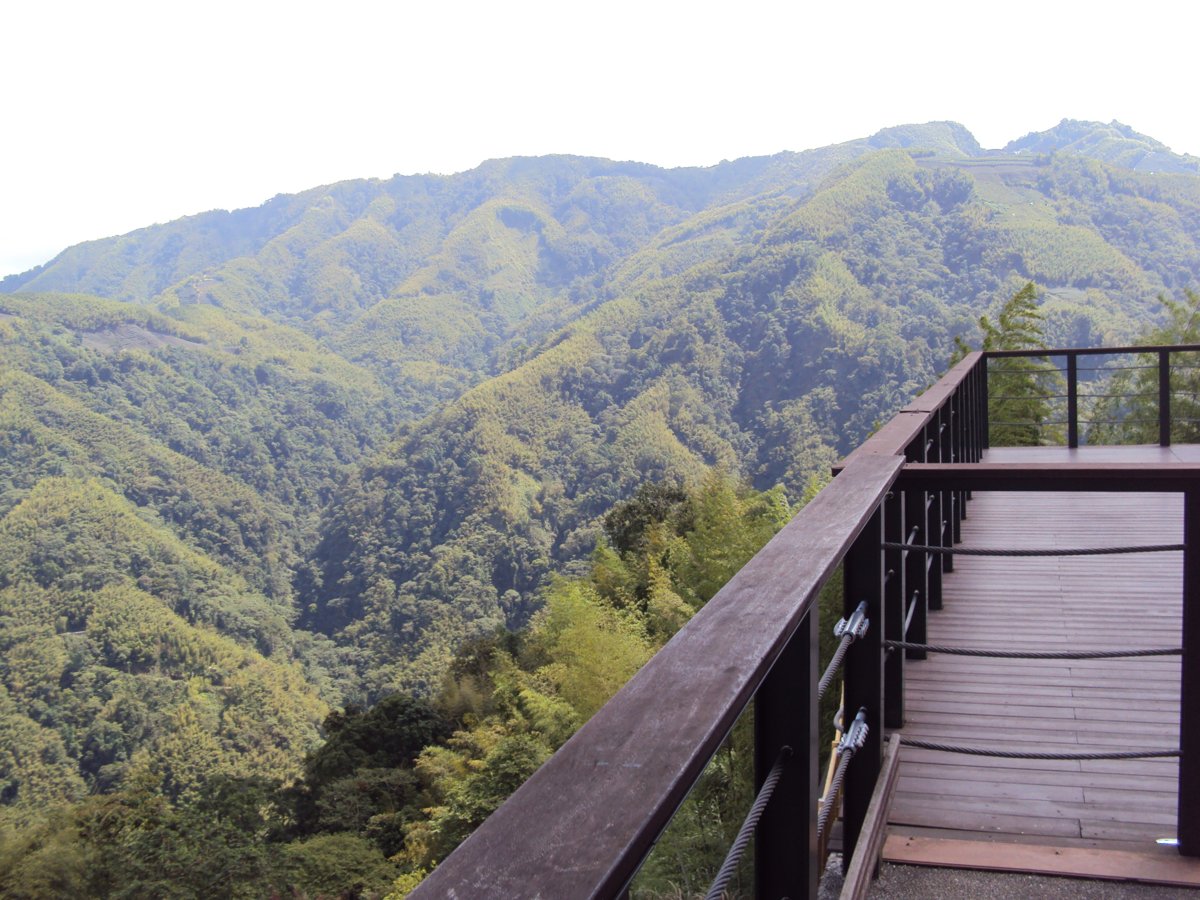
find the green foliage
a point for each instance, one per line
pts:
(112, 655)
(136, 843)
(591, 636)
(361, 779)
(332, 865)
(626, 524)
(1128, 410)
(1019, 387)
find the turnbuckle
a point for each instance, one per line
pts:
(855, 626)
(856, 735)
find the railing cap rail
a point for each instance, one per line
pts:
(1093, 351)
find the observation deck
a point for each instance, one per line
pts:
(1091, 818)
(1114, 729)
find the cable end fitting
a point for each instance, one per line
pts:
(856, 735)
(855, 626)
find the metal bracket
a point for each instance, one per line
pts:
(855, 626)
(856, 735)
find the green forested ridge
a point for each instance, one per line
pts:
(394, 788)
(768, 353)
(1122, 405)
(330, 442)
(1112, 143)
(136, 656)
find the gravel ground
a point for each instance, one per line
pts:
(927, 883)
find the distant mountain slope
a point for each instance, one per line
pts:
(761, 337)
(396, 407)
(127, 657)
(1114, 143)
(351, 244)
(237, 395)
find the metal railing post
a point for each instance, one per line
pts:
(916, 575)
(785, 714)
(894, 593)
(1189, 694)
(983, 400)
(931, 519)
(972, 417)
(945, 529)
(1164, 398)
(957, 455)
(863, 577)
(1072, 401)
(981, 410)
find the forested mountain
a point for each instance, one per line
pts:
(1114, 143)
(260, 463)
(537, 337)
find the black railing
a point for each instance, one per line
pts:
(1070, 370)
(585, 822)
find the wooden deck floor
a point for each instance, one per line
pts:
(1054, 706)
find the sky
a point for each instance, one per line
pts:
(121, 114)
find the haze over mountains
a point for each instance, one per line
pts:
(325, 440)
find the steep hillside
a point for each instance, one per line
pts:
(239, 396)
(1114, 143)
(538, 337)
(127, 655)
(762, 336)
(433, 283)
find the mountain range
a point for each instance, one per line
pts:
(327, 440)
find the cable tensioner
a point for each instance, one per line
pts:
(855, 626)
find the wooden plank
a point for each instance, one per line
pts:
(1023, 731)
(1151, 866)
(1143, 834)
(976, 820)
(1052, 603)
(1099, 476)
(1077, 778)
(865, 863)
(1007, 789)
(1032, 807)
(1149, 702)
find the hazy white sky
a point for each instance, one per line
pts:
(121, 114)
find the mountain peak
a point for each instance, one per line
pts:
(1113, 143)
(944, 137)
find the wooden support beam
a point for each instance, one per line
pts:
(865, 864)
